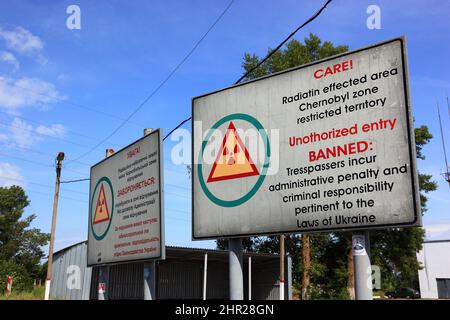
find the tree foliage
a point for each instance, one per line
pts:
(394, 250)
(20, 246)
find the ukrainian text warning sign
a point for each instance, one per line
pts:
(326, 146)
(125, 207)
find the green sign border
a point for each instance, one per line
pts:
(262, 176)
(97, 237)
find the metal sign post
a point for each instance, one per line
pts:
(282, 255)
(236, 272)
(149, 280)
(362, 266)
(149, 266)
(103, 283)
(103, 271)
(205, 275)
(249, 278)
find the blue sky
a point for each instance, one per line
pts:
(65, 90)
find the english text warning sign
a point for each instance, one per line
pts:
(326, 146)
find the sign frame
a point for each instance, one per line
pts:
(162, 242)
(416, 222)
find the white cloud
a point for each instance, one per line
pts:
(3, 137)
(10, 175)
(22, 40)
(21, 133)
(26, 92)
(61, 77)
(55, 130)
(8, 57)
(437, 231)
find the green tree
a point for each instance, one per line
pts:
(20, 246)
(331, 272)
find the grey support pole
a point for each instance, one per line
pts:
(149, 266)
(103, 283)
(289, 277)
(149, 280)
(103, 272)
(362, 266)
(282, 267)
(250, 278)
(235, 265)
(205, 275)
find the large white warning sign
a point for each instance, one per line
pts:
(325, 146)
(125, 207)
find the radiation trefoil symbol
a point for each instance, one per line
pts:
(233, 160)
(102, 208)
(101, 213)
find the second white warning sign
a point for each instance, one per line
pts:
(126, 211)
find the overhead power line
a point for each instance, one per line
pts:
(77, 180)
(87, 179)
(39, 184)
(446, 172)
(78, 105)
(5, 155)
(448, 108)
(313, 17)
(167, 78)
(51, 195)
(26, 149)
(178, 126)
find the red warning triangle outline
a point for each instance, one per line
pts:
(102, 192)
(254, 171)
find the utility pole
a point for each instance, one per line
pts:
(59, 160)
(282, 255)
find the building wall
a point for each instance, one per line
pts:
(71, 279)
(435, 260)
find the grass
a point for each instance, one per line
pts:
(36, 294)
